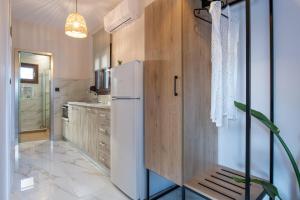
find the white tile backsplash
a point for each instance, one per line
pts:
(72, 90)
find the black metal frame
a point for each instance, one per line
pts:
(161, 193)
(205, 6)
(272, 73)
(248, 101)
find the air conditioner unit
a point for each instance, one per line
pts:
(126, 12)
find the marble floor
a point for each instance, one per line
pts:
(56, 171)
(47, 170)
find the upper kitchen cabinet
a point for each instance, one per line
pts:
(180, 139)
(102, 62)
(101, 50)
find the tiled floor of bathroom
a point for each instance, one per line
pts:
(47, 170)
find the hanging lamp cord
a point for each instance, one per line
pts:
(76, 6)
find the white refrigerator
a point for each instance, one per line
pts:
(127, 129)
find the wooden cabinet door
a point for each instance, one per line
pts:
(65, 129)
(82, 129)
(71, 124)
(75, 124)
(86, 133)
(68, 130)
(163, 88)
(93, 128)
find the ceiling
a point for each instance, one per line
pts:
(54, 12)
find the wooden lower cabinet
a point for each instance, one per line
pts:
(92, 134)
(74, 124)
(89, 130)
(66, 130)
(104, 158)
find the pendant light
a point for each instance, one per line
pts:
(75, 25)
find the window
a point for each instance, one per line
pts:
(29, 73)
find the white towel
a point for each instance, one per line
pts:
(216, 59)
(225, 35)
(230, 76)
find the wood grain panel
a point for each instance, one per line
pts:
(200, 134)
(218, 183)
(128, 43)
(163, 110)
(93, 130)
(75, 123)
(89, 130)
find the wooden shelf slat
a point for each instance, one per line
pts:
(218, 184)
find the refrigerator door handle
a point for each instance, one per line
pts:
(123, 98)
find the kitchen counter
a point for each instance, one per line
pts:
(91, 105)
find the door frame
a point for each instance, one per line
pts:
(16, 86)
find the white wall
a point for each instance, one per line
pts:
(5, 71)
(71, 57)
(287, 95)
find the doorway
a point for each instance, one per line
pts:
(33, 96)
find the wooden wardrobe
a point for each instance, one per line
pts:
(180, 139)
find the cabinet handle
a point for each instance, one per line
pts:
(175, 85)
(102, 144)
(102, 130)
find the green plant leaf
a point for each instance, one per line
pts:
(263, 119)
(291, 157)
(270, 189)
